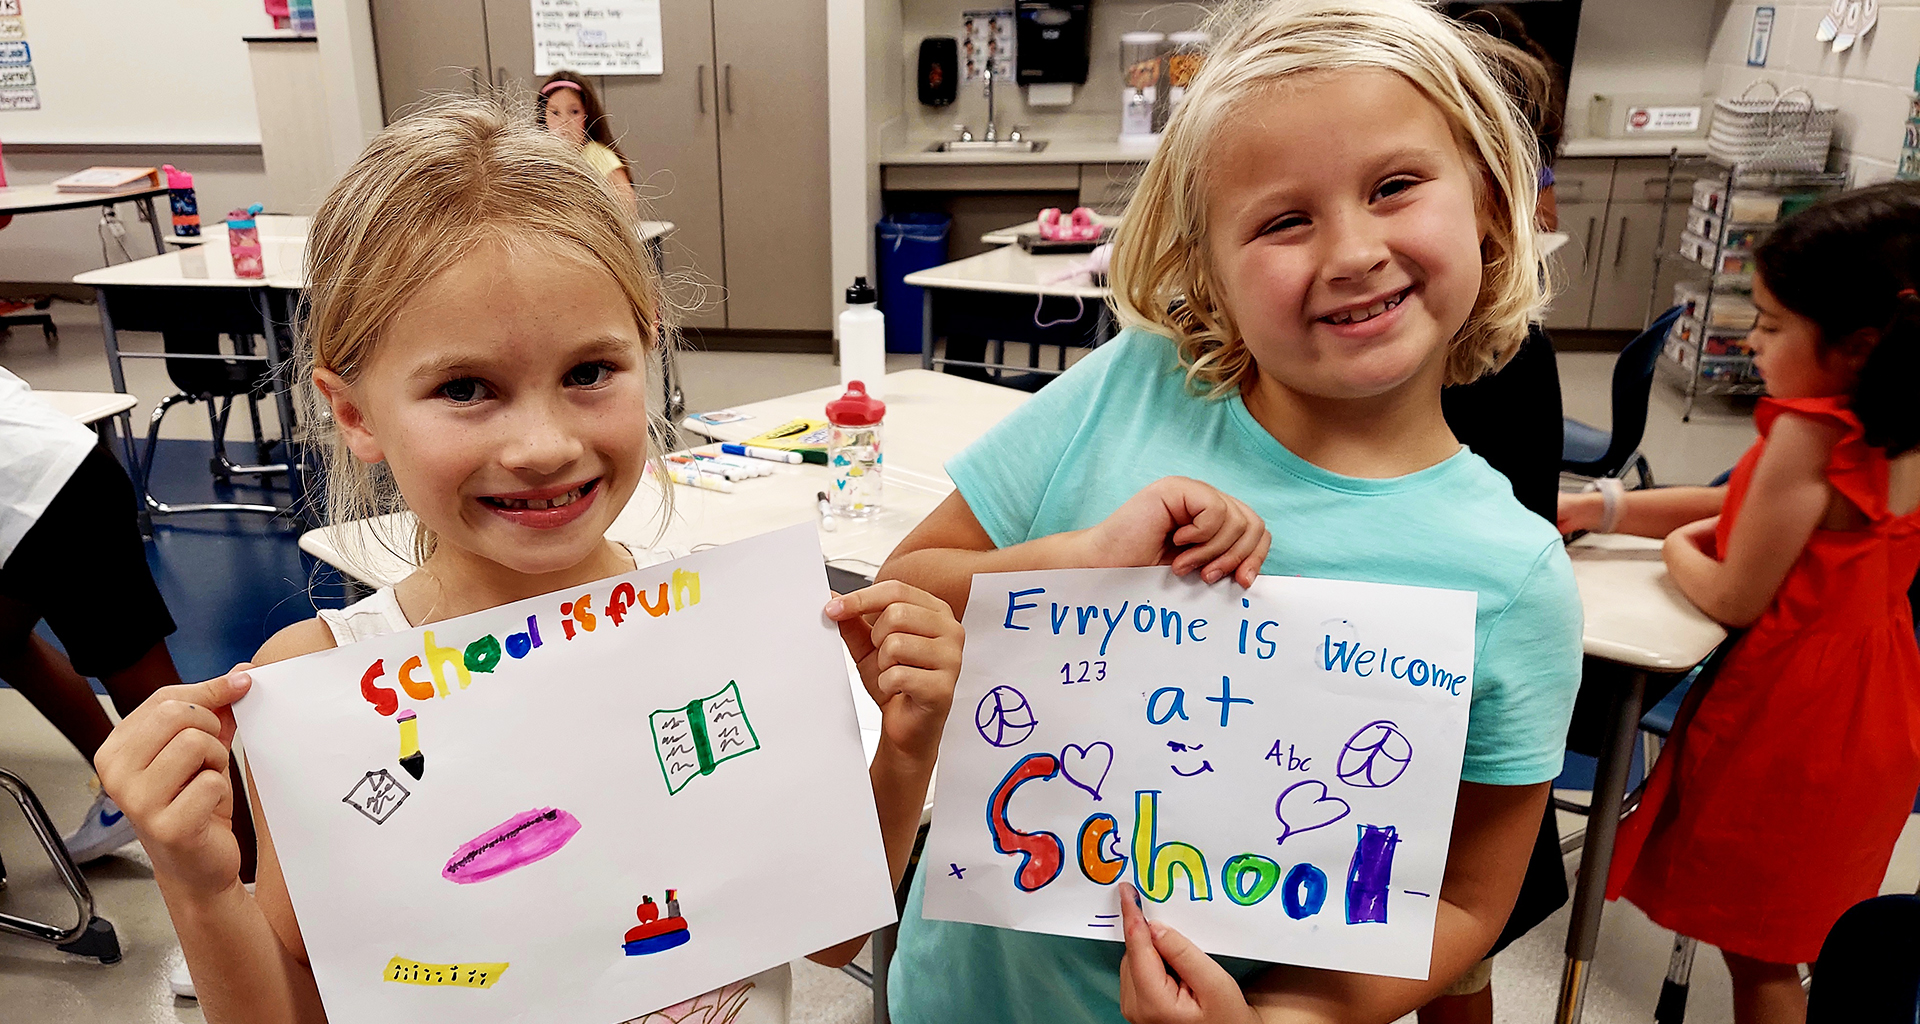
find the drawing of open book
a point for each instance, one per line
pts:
(691, 740)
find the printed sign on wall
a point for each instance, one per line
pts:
(601, 37)
(1273, 768)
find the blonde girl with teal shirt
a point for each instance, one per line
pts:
(1337, 224)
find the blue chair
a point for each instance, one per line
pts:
(1589, 451)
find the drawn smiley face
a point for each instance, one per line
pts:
(1187, 748)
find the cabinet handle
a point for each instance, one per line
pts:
(700, 83)
(474, 78)
(1620, 244)
(729, 86)
(1586, 247)
(500, 77)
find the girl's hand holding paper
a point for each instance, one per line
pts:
(1185, 524)
(1166, 979)
(906, 643)
(166, 766)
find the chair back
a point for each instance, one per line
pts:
(215, 378)
(1633, 388)
(1869, 967)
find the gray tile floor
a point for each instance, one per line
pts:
(39, 985)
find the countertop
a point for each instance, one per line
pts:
(1645, 145)
(1058, 151)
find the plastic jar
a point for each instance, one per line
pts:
(853, 451)
(1143, 71)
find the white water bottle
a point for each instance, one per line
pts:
(863, 339)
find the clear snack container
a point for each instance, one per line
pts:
(1143, 74)
(853, 451)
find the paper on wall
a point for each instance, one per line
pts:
(1273, 768)
(602, 37)
(477, 820)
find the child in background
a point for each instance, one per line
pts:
(1777, 804)
(1338, 222)
(479, 320)
(571, 109)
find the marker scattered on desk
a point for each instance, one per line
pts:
(690, 477)
(769, 454)
(827, 522)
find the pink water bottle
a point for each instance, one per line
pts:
(243, 237)
(186, 209)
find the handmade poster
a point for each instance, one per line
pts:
(597, 37)
(580, 807)
(1273, 768)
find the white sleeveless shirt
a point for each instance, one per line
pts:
(764, 998)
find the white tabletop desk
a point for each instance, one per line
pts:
(1015, 295)
(1635, 617)
(1011, 234)
(99, 410)
(43, 198)
(271, 225)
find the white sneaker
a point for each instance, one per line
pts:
(104, 831)
(1852, 28)
(180, 981)
(1830, 25)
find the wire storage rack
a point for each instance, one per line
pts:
(1729, 210)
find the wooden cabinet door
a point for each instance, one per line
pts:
(772, 56)
(1573, 268)
(428, 46)
(510, 44)
(1624, 277)
(667, 125)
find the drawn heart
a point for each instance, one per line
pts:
(1077, 764)
(1306, 806)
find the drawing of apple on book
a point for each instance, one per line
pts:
(656, 933)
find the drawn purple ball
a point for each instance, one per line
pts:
(1375, 757)
(1004, 717)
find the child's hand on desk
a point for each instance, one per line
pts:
(1184, 524)
(1579, 512)
(166, 766)
(1166, 979)
(907, 645)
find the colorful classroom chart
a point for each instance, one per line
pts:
(1273, 768)
(581, 807)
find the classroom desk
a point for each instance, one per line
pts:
(1008, 294)
(1635, 617)
(16, 199)
(99, 410)
(277, 226)
(1011, 234)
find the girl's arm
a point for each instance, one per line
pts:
(1654, 512)
(622, 185)
(1173, 521)
(907, 645)
(166, 766)
(1494, 829)
(1785, 503)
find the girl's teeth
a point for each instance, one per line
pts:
(1366, 314)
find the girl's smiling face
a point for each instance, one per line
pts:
(508, 398)
(1343, 233)
(567, 116)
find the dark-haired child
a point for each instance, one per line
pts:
(1778, 804)
(568, 107)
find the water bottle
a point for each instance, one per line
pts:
(853, 451)
(863, 340)
(243, 238)
(186, 209)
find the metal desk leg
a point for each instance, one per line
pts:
(926, 328)
(118, 373)
(153, 220)
(283, 383)
(882, 942)
(1603, 821)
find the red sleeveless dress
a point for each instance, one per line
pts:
(1778, 805)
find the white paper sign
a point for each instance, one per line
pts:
(1274, 768)
(597, 37)
(578, 807)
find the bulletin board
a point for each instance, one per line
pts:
(138, 72)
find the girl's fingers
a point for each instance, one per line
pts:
(917, 620)
(920, 685)
(1249, 570)
(208, 796)
(1231, 529)
(918, 652)
(173, 769)
(875, 599)
(132, 747)
(1143, 975)
(1237, 555)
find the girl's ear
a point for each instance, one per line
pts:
(1856, 347)
(348, 417)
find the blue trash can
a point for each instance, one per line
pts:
(907, 242)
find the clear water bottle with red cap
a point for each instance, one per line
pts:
(853, 451)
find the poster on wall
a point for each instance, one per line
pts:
(1274, 769)
(585, 806)
(601, 37)
(986, 39)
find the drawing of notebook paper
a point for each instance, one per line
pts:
(690, 741)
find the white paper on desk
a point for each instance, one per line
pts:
(1273, 768)
(769, 848)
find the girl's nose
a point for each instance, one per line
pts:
(1356, 248)
(539, 441)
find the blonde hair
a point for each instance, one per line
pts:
(428, 191)
(1161, 277)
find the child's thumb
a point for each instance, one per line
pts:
(1209, 981)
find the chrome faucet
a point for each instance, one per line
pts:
(987, 75)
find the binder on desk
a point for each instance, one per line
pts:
(108, 179)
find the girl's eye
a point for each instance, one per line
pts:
(1285, 222)
(588, 375)
(464, 391)
(1395, 186)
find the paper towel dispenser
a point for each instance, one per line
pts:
(1051, 41)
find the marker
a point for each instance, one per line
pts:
(769, 454)
(748, 466)
(708, 468)
(827, 522)
(694, 478)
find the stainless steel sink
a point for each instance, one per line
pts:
(1023, 146)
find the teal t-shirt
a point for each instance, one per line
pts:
(1124, 417)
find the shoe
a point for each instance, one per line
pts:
(104, 831)
(1853, 27)
(1830, 25)
(181, 982)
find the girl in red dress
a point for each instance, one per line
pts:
(1778, 803)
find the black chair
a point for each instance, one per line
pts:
(203, 373)
(38, 319)
(1588, 450)
(1869, 967)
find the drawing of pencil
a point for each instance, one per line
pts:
(410, 756)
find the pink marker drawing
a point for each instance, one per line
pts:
(514, 843)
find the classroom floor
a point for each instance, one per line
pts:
(232, 580)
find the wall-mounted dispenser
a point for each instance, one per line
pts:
(1052, 42)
